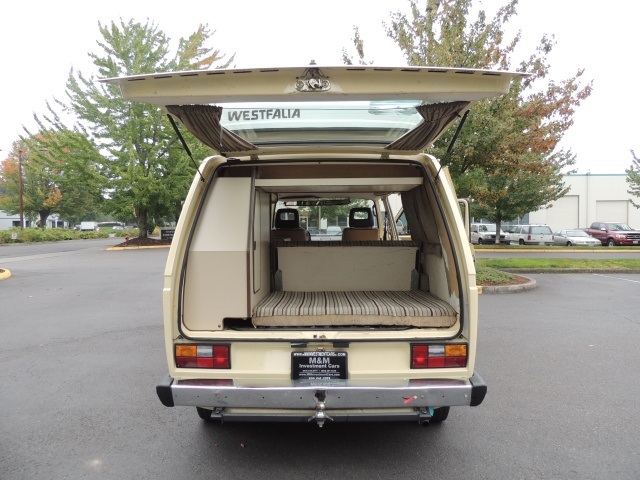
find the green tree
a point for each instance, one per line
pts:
(10, 181)
(502, 195)
(25, 181)
(149, 172)
(508, 140)
(633, 178)
(70, 162)
(56, 177)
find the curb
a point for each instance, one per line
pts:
(4, 273)
(523, 287)
(517, 271)
(111, 249)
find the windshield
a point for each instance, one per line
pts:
(620, 227)
(576, 233)
(490, 228)
(321, 218)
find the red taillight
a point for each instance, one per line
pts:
(438, 356)
(419, 356)
(203, 356)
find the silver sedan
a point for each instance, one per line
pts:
(575, 237)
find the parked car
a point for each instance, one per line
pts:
(575, 237)
(486, 233)
(332, 232)
(614, 233)
(532, 235)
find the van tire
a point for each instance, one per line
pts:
(439, 415)
(204, 414)
(521, 241)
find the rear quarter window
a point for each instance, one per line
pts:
(541, 231)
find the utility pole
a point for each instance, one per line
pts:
(21, 189)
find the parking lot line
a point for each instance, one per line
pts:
(617, 278)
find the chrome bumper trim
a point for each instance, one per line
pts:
(414, 416)
(298, 395)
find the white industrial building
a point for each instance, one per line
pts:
(8, 221)
(591, 198)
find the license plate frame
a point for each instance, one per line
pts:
(308, 365)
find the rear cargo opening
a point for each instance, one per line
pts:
(251, 264)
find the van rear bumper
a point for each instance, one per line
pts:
(340, 394)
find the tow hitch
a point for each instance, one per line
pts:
(320, 416)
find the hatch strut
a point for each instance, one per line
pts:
(455, 137)
(184, 145)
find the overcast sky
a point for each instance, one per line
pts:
(40, 41)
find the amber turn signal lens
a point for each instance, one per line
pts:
(455, 350)
(186, 350)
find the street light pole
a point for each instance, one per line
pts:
(21, 188)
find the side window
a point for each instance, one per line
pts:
(401, 225)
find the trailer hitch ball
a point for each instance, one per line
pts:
(320, 416)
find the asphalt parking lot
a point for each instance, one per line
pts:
(82, 349)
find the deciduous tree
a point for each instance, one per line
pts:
(633, 178)
(506, 141)
(60, 174)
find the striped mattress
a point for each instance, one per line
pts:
(303, 309)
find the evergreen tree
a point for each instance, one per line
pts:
(148, 171)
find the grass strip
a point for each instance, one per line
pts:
(561, 263)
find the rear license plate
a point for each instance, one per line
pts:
(318, 365)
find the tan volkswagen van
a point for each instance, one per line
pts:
(268, 318)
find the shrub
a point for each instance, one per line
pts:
(34, 234)
(488, 275)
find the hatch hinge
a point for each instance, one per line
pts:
(313, 80)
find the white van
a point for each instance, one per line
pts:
(485, 233)
(262, 323)
(532, 235)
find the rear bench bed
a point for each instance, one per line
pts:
(349, 284)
